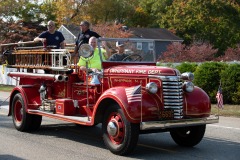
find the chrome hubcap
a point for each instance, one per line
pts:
(112, 129)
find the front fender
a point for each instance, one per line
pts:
(30, 96)
(118, 95)
(134, 108)
(197, 103)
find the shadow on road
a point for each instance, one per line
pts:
(10, 157)
(150, 146)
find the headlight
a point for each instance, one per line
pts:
(188, 86)
(152, 87)
(188, 76)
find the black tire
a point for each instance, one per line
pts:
(35, 123)
(188, 136)
(123, 139)
(21, 119)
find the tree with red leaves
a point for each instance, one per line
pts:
(231, 54)
(177, 52)
(12, 32)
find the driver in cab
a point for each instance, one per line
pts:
(120, 55)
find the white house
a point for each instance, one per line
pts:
(70, 33)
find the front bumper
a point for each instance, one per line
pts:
(178, 123)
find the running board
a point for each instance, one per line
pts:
(83, 120)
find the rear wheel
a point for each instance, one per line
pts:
(119, 135)
(188, 136)
(35, 123)
(21, 119)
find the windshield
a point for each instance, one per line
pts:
(127, 50)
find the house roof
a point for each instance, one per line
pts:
(146, 33)
(154, 33)
(75, 30)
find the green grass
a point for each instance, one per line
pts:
(6, 88)
(227, 111)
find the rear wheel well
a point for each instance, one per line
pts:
(10, 102)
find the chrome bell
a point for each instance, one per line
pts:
(95, 79)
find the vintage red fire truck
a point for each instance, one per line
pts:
(126, 97)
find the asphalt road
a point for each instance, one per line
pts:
(66, 141)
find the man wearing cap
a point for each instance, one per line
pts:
(85, 35)
(120, 55)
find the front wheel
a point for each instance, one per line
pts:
(188, 136)
(119, 135)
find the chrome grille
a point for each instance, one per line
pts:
(173, 94)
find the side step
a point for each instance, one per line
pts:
(83, 120)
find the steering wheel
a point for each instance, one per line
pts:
(133, 57)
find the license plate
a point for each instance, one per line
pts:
(167, 114)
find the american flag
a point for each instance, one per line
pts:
(219, 97)
(134, 94)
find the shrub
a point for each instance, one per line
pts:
(172, 65)
(187, 67)
(231, 84)
(207, 76)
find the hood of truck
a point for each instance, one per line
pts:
(135, 70)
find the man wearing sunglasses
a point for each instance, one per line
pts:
(84, 35)
(51, 37)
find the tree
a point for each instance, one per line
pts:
(155, 9)
(177, 52)
(7, 8)
(231, 54)
(48, 12)
(140, 18)
(69, 11)
(102, 11)
(21, 20)
(214, 21)
(28, 12)
(19, 31)
(112, 31)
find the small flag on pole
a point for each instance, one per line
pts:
(134, 94)
(219, 97)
